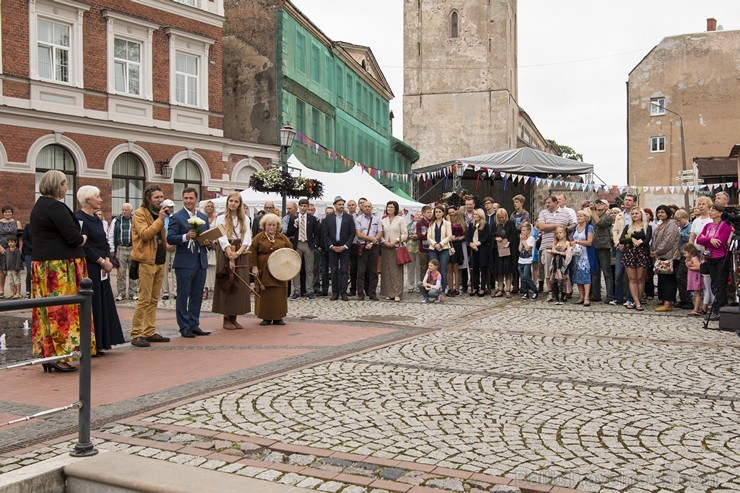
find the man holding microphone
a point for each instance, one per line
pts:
(149, 242)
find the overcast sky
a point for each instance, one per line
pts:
(574, 59)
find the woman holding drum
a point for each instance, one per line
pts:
(272, 303)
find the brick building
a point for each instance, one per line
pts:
(116, 94)
(687, 83)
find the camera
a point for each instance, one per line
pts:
(732, 216)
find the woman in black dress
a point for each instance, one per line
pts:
(479, 239)
(635, 239)
(107, 325)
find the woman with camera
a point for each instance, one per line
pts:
(714, 238)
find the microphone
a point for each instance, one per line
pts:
(166, 204)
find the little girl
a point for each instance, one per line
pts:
(431, 285)
(558, 272)
(693, 279)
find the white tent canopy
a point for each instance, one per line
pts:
(351, 184)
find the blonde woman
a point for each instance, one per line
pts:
(458, 258)
(231, 299)
(395, 233)
(635, 239)
(439, 236)
(505, 239)
(479, 239)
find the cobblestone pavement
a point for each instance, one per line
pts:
(600, 399)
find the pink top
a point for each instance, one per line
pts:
(720, 231)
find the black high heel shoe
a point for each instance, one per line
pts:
(55, 366)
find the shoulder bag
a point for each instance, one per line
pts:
(403, 256)
(663, 266)
(359, 248)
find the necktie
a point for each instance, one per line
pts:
(302, 233)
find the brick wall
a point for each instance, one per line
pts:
(15, 47)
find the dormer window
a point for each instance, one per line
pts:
(454, 24)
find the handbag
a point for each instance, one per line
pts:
(403, 256)
(663, 266)
(133, 270)
(358, 249)
(504, 248)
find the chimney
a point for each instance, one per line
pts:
(711, 24)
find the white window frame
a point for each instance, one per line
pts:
(659, 108)
(193, 45)
(655, 143)
(66, 12)
(189, 79)
(129, 28)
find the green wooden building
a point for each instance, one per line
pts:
(332, 92)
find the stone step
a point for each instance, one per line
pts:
(121, 473)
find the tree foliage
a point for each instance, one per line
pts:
(565, 151)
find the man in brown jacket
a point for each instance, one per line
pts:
(149, 240)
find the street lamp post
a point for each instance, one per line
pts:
(287, 134)
(683, 146)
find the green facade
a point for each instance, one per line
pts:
(326, 100)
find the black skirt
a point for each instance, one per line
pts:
(107, 325)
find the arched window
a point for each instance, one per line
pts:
(454, 24)
(55, 156)
(187, 174)
(128, 182)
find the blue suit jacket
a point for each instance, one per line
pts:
(184, 258)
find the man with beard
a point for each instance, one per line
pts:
(149, 242)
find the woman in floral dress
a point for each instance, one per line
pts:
(583, 237)
(57, 267)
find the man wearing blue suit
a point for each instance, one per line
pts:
(190, 266)
(338, 236)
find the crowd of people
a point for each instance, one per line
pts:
(586, 255)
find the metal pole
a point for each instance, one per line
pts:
(284, 167)
(84, 447)
(683, 160)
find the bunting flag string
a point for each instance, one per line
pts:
(516, 178)
(317, 148)
(481, 171)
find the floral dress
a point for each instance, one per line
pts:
(581, 272)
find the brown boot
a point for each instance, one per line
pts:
(228, 324)
(235, 323)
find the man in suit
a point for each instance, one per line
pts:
(338, 237)
(190, 265)
(303, 232)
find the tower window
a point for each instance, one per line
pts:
(454, 24)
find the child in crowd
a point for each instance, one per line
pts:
(431, 285)
(559, 271)
(527, 244)
(694, 283)
(13, 267)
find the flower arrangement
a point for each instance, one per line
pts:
(276, 180)
(194, 223)
(270, 180)
(457, 198)
(306, 187)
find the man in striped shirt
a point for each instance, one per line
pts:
(550, 218)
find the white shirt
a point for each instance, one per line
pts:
(224, 241)
(531, 241)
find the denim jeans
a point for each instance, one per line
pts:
(604, 256)
(618, 280)
(443, 257)
(428, 293)
(525, 274)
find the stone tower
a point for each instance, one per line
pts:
(460, 78)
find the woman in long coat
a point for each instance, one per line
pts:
(231, 297)
(272, 303)
(479, 239)
(505, 236)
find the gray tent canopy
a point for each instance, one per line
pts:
(524, 160)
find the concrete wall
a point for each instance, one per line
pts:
(249, 72)
(697, 75)
(459, 92)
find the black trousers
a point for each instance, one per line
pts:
(667, 287)
(719, 270)
(339, 266)
(367, 271)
